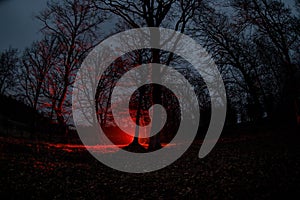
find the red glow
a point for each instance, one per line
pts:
(117, 136)
(96, 148)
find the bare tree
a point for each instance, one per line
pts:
(8, 67)
(276, 38)
(273, 22)
(234, 52)
(174, 14)
(37, 62)
(258, 41)
(75, 24)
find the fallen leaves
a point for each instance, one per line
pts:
(254, 168)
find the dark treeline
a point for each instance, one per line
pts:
(20, 120)
(255, 43)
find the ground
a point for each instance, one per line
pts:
(260, 166)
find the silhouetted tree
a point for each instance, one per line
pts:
(9, 62)
(277, 40)
(174, 14)
(37, 62)
(234, 53)
(75, 25)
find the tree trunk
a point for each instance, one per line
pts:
(285, 115)
(154, 141)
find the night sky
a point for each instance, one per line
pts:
(18, 26)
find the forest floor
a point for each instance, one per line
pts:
(245, 166)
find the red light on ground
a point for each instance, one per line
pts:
(117, 136)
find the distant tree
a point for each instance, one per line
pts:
(259, 40)
(273, 22)
(277, 40)
(235, 54)
(75, 25)
(9, 63)
(37, 62)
